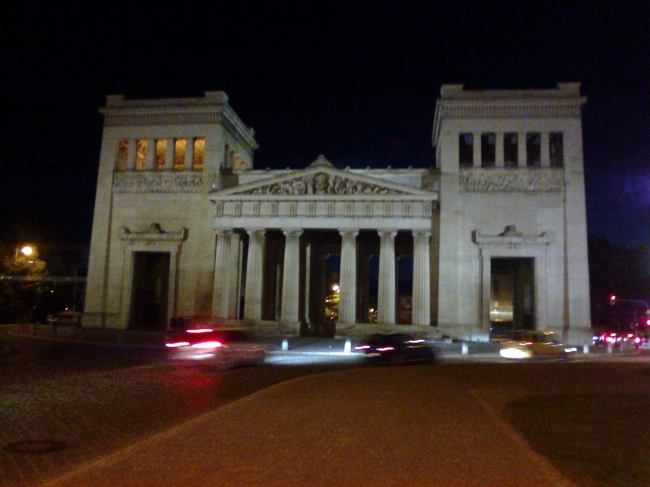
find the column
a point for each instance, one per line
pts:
(234, 263)
(545, 150)
(170, 149)
(522, 159)
(132, 155)
(348, 278)
(221, 284)
(189, 153)
(386, 295)
(307, 317)
(500, 159)
(421, 279)
(150, 160)
(291, 277)
(477, 150)
(254, 274)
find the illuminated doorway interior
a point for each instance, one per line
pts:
(512, 294)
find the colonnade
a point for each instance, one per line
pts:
(296, 277)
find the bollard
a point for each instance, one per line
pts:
(585, 348)
(348, 346)
(285, 344)
(464, 348)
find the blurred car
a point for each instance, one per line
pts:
(617, 338)
(396, 349)
(223, 348)
(65, 318)
(529, 344)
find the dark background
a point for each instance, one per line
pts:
(356, 81)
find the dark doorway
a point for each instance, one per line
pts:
(150, 290)
(512, 294)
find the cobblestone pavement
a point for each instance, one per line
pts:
(91, 414)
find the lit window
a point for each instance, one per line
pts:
(466, 150)
(488, 149)
(179, 154)
(510, 149)
(161, 150)
(533, 149)
(556, 149)
(199, 153)
(141, 154)
(122, 154)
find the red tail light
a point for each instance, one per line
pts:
(211, 344)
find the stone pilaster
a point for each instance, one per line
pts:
(170, 149)
(348, 277)
(500, 159)
(545, 150)
(387, 288)
(254, 275)
(189, 153)
(150, 160)
(522, 156)
(132, 155)
(477, 150)
(234, 275)
(291, 277)
(421, 310)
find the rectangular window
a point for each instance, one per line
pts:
(466, 150)
(488, 149)
(122, 154)
(510, 149)
(199, 153)
(161, 150)
(556, 149)
(533, 149)
(179, 154)
(141, 154)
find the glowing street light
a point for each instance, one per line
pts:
(336, 288)
(27, 250)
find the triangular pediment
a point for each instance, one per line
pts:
(322, 181)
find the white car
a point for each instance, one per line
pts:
(528, 344)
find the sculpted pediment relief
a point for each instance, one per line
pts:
(322, 180)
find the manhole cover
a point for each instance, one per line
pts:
(35, 446)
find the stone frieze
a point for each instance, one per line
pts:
(321, 183)
(157, 182)
(511, 180)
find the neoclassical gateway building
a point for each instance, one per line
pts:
(494, 236)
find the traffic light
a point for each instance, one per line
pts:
(612, 299)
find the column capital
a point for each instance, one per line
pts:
(255, 231)
(348, 233)
(223, 232)
(292, 232)
(387, 233)
(422, 233)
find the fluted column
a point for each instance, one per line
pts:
(234, 271)
(221, 284)
(421, 310)
(386, 295)
(254, 274)
(189, 153)
(499, 157)
(291, 277)
(348, 278)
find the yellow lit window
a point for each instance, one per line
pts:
(122, 154)
(141, 154)
(199, 153)
(179, 154)
(161, 150)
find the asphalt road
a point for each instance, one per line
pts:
(587, 419)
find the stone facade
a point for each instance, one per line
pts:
(184, 226)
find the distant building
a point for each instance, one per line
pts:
(185, 226)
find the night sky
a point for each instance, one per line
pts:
(355, 81)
